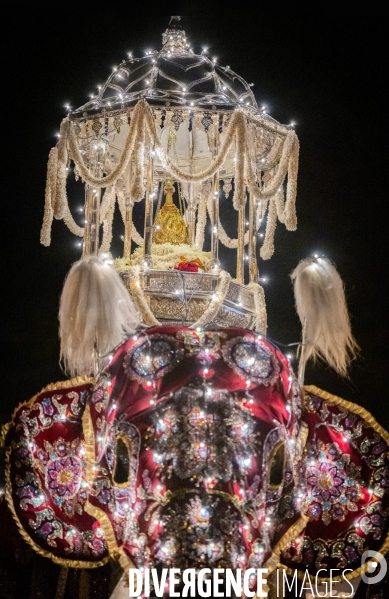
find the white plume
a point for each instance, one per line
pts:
(96, 310)
(322, 309)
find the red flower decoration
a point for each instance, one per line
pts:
(187, 266)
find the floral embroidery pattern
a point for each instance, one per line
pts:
(200, 529)
(341, 482)
(184, 439)
(333, 484)
(62, 466)
(48, 477)
(325, 481)
(64, 476)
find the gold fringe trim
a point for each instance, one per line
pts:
(89, 438)
(96, 512)
(351, 407)
(105, 523)
(359, 411)
(4, 432)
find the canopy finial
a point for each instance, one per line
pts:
(175, 23)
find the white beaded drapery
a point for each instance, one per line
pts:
(142, 133)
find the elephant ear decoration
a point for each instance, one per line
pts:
(321, 306)
(345, 488)
(46, 485)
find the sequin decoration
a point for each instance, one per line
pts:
(333, 484)
(202, 344)
(62, 464)
(47, 475)
(205, 437)
(200, 529)
(253, 359)
(152, 356)
(177, 119)
(341, 486)
(64, 476)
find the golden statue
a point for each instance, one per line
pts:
(169, 224)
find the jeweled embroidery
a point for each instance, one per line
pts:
(196, 436)
(152, 356)
(200, 529)
(63, 468)
(251, 358)
(333, 484)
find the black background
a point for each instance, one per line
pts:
(329, 76)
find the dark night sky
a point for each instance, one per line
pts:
(329, 76)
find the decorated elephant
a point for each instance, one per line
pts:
(198, 448)
(183, 439)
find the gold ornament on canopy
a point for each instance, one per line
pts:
(169, 224)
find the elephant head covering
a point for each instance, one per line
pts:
(198, 449)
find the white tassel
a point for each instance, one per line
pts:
(322, 309)
(96, 310)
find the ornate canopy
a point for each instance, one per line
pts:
(177, 120)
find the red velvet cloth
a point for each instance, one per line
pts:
(137, 400)
(204, 418)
